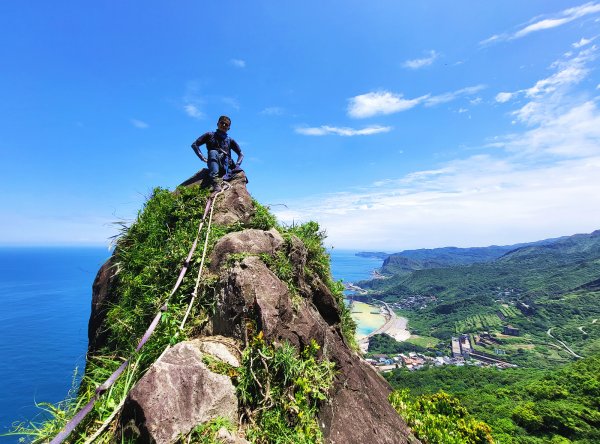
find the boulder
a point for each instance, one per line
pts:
(250, 289)
(178, 393)
(247, 241)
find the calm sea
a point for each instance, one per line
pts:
(46, 298)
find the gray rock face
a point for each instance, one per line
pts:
(357, 410)
(247, 241)
(178, 393)
(234, 204)
(102, 298)
(250, 290)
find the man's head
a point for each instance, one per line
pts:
(224, 123)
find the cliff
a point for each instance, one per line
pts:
(267, 349)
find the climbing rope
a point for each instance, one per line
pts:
(195, 292)
(81, 414)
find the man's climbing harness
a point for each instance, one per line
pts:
(81, 414)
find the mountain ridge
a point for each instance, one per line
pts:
(426, 258)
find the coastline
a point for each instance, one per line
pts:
(384, 322)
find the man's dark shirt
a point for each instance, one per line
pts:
(222, 145)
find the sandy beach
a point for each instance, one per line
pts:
(367, 317)
(393, 325)
(373, 320)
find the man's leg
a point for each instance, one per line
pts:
(213, 169)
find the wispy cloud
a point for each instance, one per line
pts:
(569, 71)
(450, 96)
(422, 62)
(527, 185)
(386, 102)
(231, 102)
(139, 124)
(325, 130)
(193, 100)
(238, 63)
(540, 24)
(583, 42)
(193, 111)
(273, 111)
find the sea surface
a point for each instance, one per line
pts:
(45, 296)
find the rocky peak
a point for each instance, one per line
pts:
(180, 391)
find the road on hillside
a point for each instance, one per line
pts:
(549, 333)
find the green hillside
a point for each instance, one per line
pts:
(538, 289)
(520, 405)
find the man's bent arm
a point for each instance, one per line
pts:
(237, 150)
(196, 146)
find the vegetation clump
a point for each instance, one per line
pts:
(208, 433)
(280, 391)
(440, 419)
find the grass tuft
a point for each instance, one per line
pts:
(280, 391)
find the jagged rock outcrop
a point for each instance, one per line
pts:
(233, 206)
(102, 298)
(357, 410)
(167, 400)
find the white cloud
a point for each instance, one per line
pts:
(420, 63)
(238, 63)
(325, 130)
(480, 200)
(386, 102)
(382, 102)
(537, 24)
(583, 42)
(139, 124)
(504, 97)
(492, 39)
(541, 25)
(569, 71)
(193, 111)
(537, 183)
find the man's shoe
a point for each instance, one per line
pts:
(216, 185)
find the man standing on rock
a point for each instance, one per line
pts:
(219, 145)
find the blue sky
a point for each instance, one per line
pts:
(394, 124)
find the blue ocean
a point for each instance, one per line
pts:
(46, 299)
